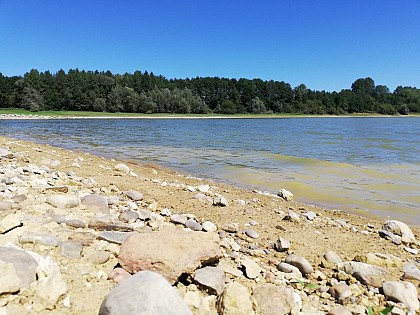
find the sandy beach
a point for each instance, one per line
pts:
(311, 231)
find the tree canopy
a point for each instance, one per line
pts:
(139, 92)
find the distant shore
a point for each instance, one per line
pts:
(90, 115)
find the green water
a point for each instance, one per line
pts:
(362, 165)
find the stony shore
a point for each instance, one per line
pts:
(77, 232)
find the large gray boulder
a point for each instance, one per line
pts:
(144, 293)
(170, 251)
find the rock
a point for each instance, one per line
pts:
(365, 273)
(113, 200)
(114, 237)
(19, 198)
(301, 263)
(118, 275)
(101, 225)
(282, 245)
(203, 188)
(209, 226)
(134, 195)
(252, 233)
(9, 280)
(389, 235)
(169, 251)
(340, 292)
(145, 215)
(122, 168)
(5, 205)
(179, 219)
(128, 216)
(339, 310)
(211, 279)
(41, 239)
(381, 260)
(401, 229)
(220, 201)
(144, 293)
(193, 225)
(63, 201)
(292, 216)
(274, 300)
(50, 286)
(251, 268)
(411, 272)
(310, 215)
(231, 228)
(166, 212)
(9, 223)
(203, 198)
(285, 194)
(96, 204)
(83, 238)
(401, 292)
(25, 265)
(71, 249)
(332, 257)
(411, 250)
(99, 258)
(287, 268)
(235, 300)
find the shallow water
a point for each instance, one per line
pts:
(364, 165)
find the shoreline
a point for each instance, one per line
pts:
(248, 224)
(192, 116)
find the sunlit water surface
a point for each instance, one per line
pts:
(362, 165)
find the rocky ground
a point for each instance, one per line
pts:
(74, 228)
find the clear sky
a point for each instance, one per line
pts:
(324, 44)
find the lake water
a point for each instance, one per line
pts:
(362, 165)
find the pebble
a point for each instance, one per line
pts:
(128, 216)
(209, 226)
(252, 233)
(122, 168)
(71, 249)
(211, 279)
(134, 195)
(114, 237)
(179, 219)
(340, 292)
(252, 269)
(193, 225)
(282, 245)
(301, 263)
(285, 194)
(220, 201)
(332, 257)
(99, 258)
(231, 228)
(41, 239)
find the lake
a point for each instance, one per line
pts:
(362, 165)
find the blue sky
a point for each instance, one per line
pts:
(326, 45)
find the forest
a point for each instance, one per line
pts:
(80, 90)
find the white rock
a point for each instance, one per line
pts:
(209, 226)
(252, 269)
(401, 292)
(122, 168)
(400, 228)
(285, 194)
(63, 201)
(9, 280)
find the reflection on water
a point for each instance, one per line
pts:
(355, 164)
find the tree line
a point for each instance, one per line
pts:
(147, 93)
